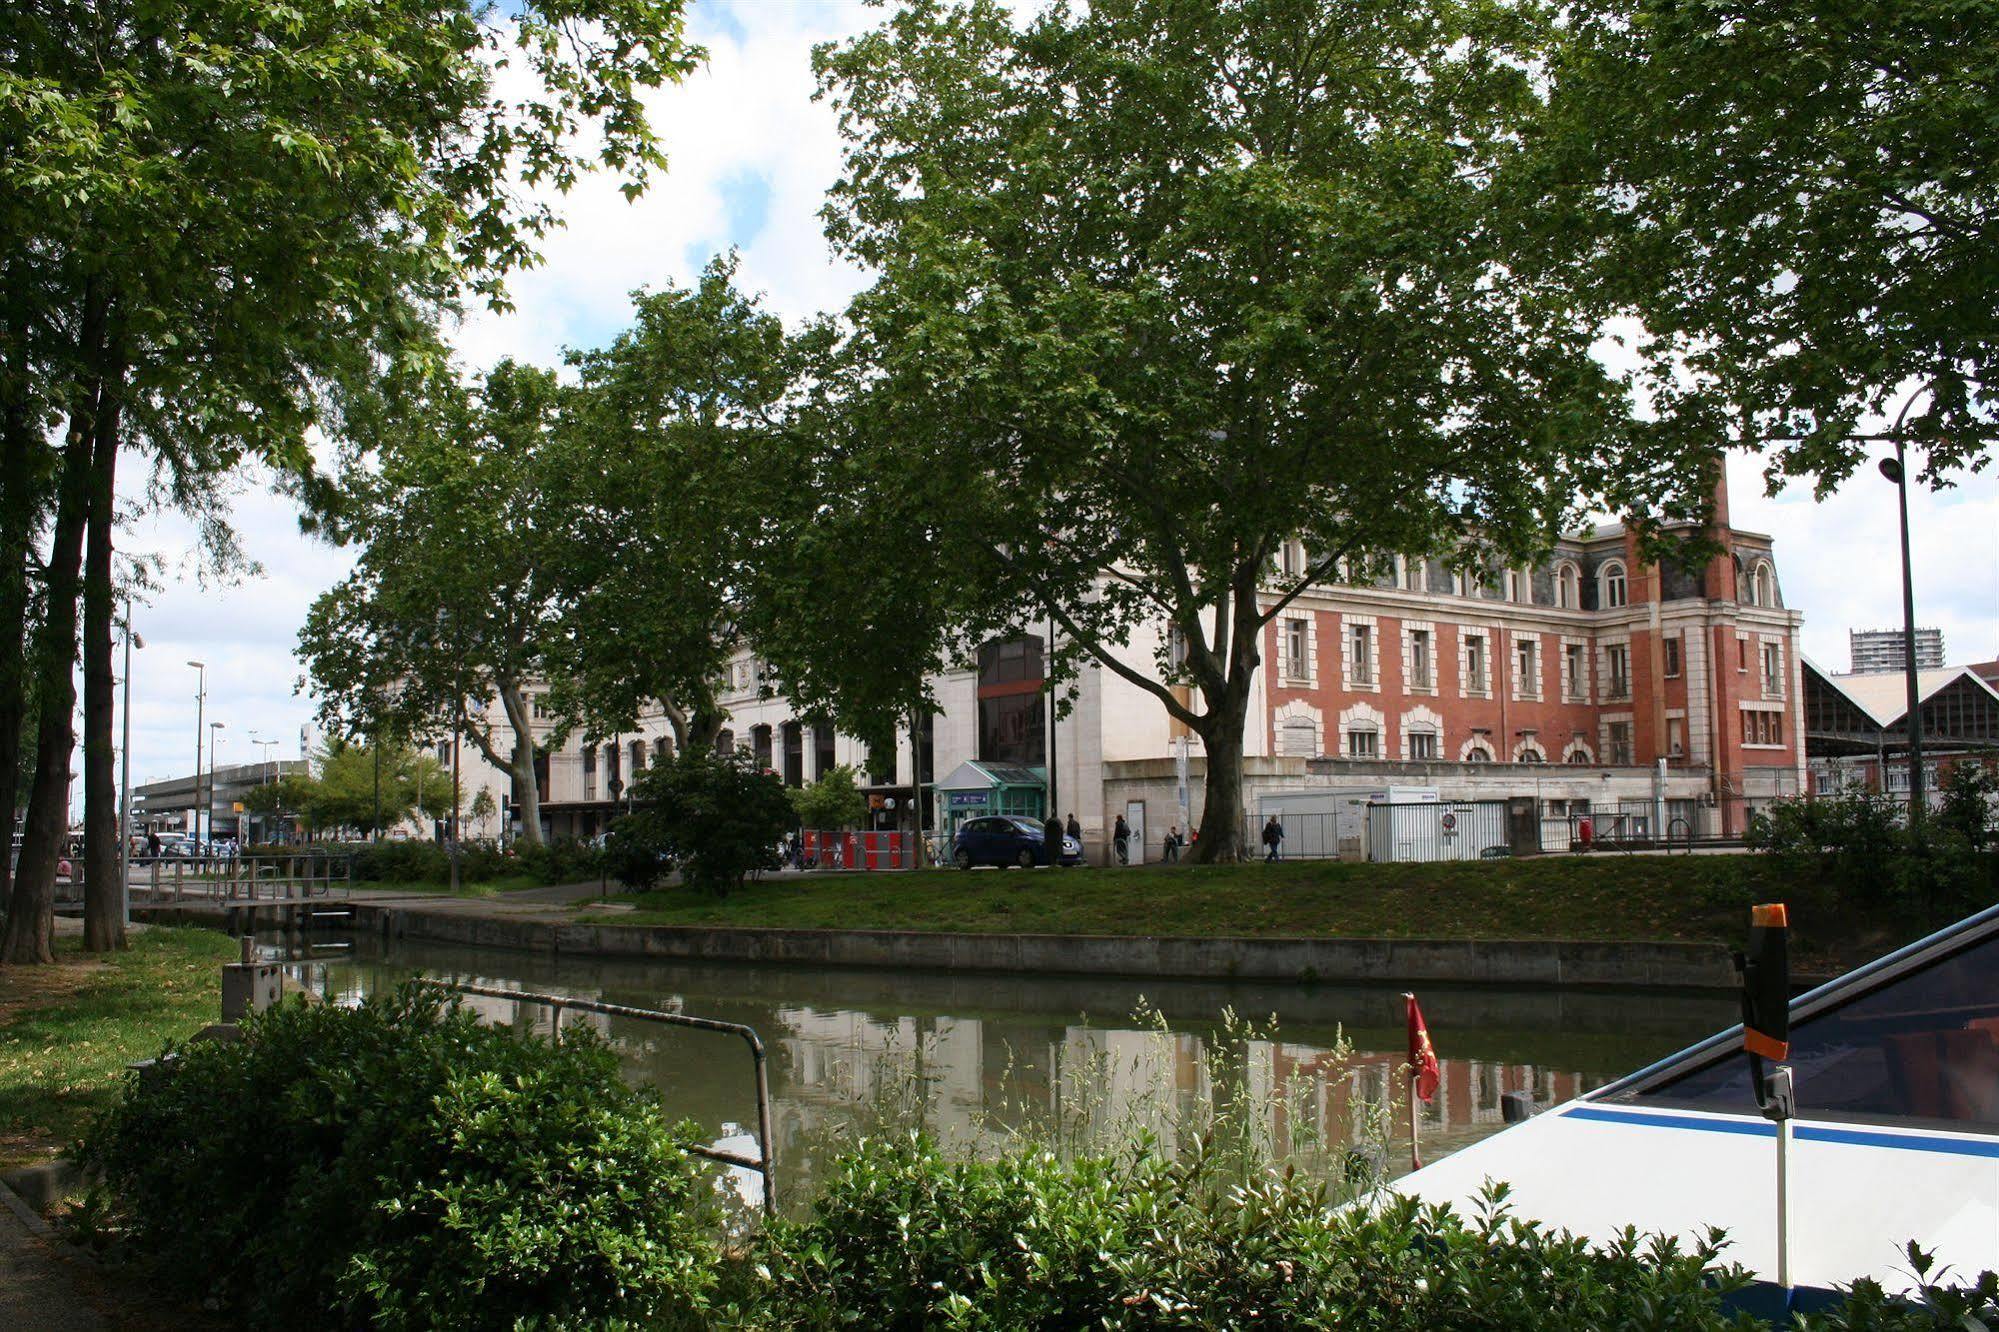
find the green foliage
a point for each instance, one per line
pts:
(1797, 202)
(400, 1165)
(424, 861)
(831, 803)
(1153, 298)
(1937, 1304)
(716, 816)
(908, 1239)
(1970, 802)
(341, 792)
(1860, 851)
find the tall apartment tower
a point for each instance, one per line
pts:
(1879, 651)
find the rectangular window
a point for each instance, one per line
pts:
(1363, 744)
(1295, 649)
(1742, 655)
(1672, 655)
(1527, 662)
(1475, 666)
(1762, 728)
(1578, 671)
(1620, 742)
(1420, 666)
(1176, 647)
(1360, 654)
(1773, 670)
(1422, 744)
(1676, 737)
(1618, 658)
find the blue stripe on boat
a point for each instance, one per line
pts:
(1763, 1128)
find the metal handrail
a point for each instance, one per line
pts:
(766, 1167)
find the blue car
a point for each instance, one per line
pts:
(1007, 839)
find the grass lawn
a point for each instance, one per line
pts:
(68, 1031)
(1692, 898)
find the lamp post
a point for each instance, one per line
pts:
(1896, 470)
(132, 640)
(215, 729)
(269, 775)
(200, 706)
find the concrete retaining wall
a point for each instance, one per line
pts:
(1517, 962)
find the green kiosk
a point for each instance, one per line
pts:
(978, 788)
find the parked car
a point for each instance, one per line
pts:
(1007, 839)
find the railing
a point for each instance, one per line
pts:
(239, 878)
(560, 1003)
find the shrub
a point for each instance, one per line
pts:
(716, 816)
(400, 1165)
(563, 861)
(902, 1238)
(1859, 849)
(833, 802)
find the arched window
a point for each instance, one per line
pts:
(725, 743)
(1477, 753)
(1763, 585)
(1529, 752)
(662, 749)
(1298, 737)
(1611, 578)
(638, 757)
(1520, 586)
(1568, 586)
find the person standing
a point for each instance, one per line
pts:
(152, 845)
(1173, 844)
(1121, 840)
(1273, 838)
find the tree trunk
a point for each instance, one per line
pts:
(31, 910)
(103, 893)
(1223, 840)
(20, 501)
(521, 763)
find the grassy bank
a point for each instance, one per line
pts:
(1701, 899)
(68, 1031)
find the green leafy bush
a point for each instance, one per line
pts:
(716, 816)
(400, 1165)
(833, 802)
(903, 1238)
(1858, 851)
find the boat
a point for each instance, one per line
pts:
(1892, 1136)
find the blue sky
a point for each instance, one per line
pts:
(751, 156)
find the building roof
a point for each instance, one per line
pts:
(1884, 697)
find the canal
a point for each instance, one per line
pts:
(1076, 1061)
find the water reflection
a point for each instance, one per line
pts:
(1064, 1056)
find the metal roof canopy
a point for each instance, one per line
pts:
(975, 775)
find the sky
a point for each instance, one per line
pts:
(750, 158)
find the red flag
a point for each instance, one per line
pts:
(1422, 1058)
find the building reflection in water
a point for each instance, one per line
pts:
(980, 1059)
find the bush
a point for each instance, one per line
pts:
(831, 803)
(1859, 849)
(716, 816)
(902, 1238)
(400, 1165)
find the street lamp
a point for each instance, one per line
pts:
(132, 640)
(215, 729)
(268, 776)
(200, 706)
(1896, 470)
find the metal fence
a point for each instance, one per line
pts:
(763, 1164)
(1390, 831)
(238, 878)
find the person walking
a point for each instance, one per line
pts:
(1273, 838)
(152, 845)
(1121, 840)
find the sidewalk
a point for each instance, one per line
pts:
(37, 1288)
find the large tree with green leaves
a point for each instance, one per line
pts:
(1798, 203)
(1164, 284)
(453, 602)
(217, 222)
(666, 473)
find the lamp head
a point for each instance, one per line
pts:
(199, 665)
(1892, 469)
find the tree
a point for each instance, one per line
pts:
(1798, 203)
(341, 791)
(453, 601)
(665, 474)
(219, 223)
(715, 816)
(833, 802)
(1165, 285)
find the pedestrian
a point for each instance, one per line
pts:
(152, 845)
(1074, 829)
(1273, 838)
(1121, 840)
(1173, 844)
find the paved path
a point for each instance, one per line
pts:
(37, 1289)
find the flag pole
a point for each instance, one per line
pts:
(1415, 1157)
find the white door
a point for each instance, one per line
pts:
(1134, 815)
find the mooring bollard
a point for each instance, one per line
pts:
(249, 986)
